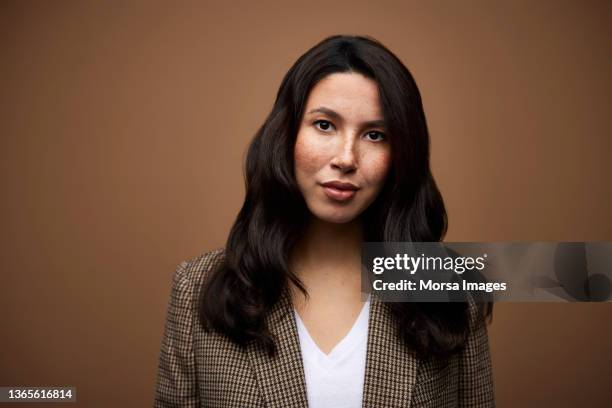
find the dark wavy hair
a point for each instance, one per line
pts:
(236, 297)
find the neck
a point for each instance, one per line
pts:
(327, 246)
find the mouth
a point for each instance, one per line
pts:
(339, 191)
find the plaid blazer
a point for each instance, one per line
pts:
(198, 369)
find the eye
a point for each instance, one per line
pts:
(323, 125)
(376, 136)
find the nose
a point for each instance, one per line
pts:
(345, 158)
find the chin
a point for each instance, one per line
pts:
(338, 220)
(335, 216)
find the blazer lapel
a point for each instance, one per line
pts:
(281, 379)
(391, 367)
(390, 372)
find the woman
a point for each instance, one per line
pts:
(276, 318)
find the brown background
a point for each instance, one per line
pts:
(124, 126)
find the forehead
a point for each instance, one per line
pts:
(346, 93)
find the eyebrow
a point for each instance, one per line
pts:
(336, 116)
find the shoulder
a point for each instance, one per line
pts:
(198, 267)
(475, 311)
(189, 274)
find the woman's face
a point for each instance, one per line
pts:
(342, 152)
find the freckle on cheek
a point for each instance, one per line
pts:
(379, 167)
(306, 159)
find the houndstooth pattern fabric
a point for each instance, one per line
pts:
(198, 369)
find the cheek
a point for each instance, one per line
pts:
(307, 155)
(378, 167)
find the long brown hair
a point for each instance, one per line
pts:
(236, 298)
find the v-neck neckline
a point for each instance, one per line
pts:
(345, 345)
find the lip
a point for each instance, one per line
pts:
(339, 191)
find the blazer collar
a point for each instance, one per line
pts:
(390, 372)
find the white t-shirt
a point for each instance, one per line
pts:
(335, 380)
